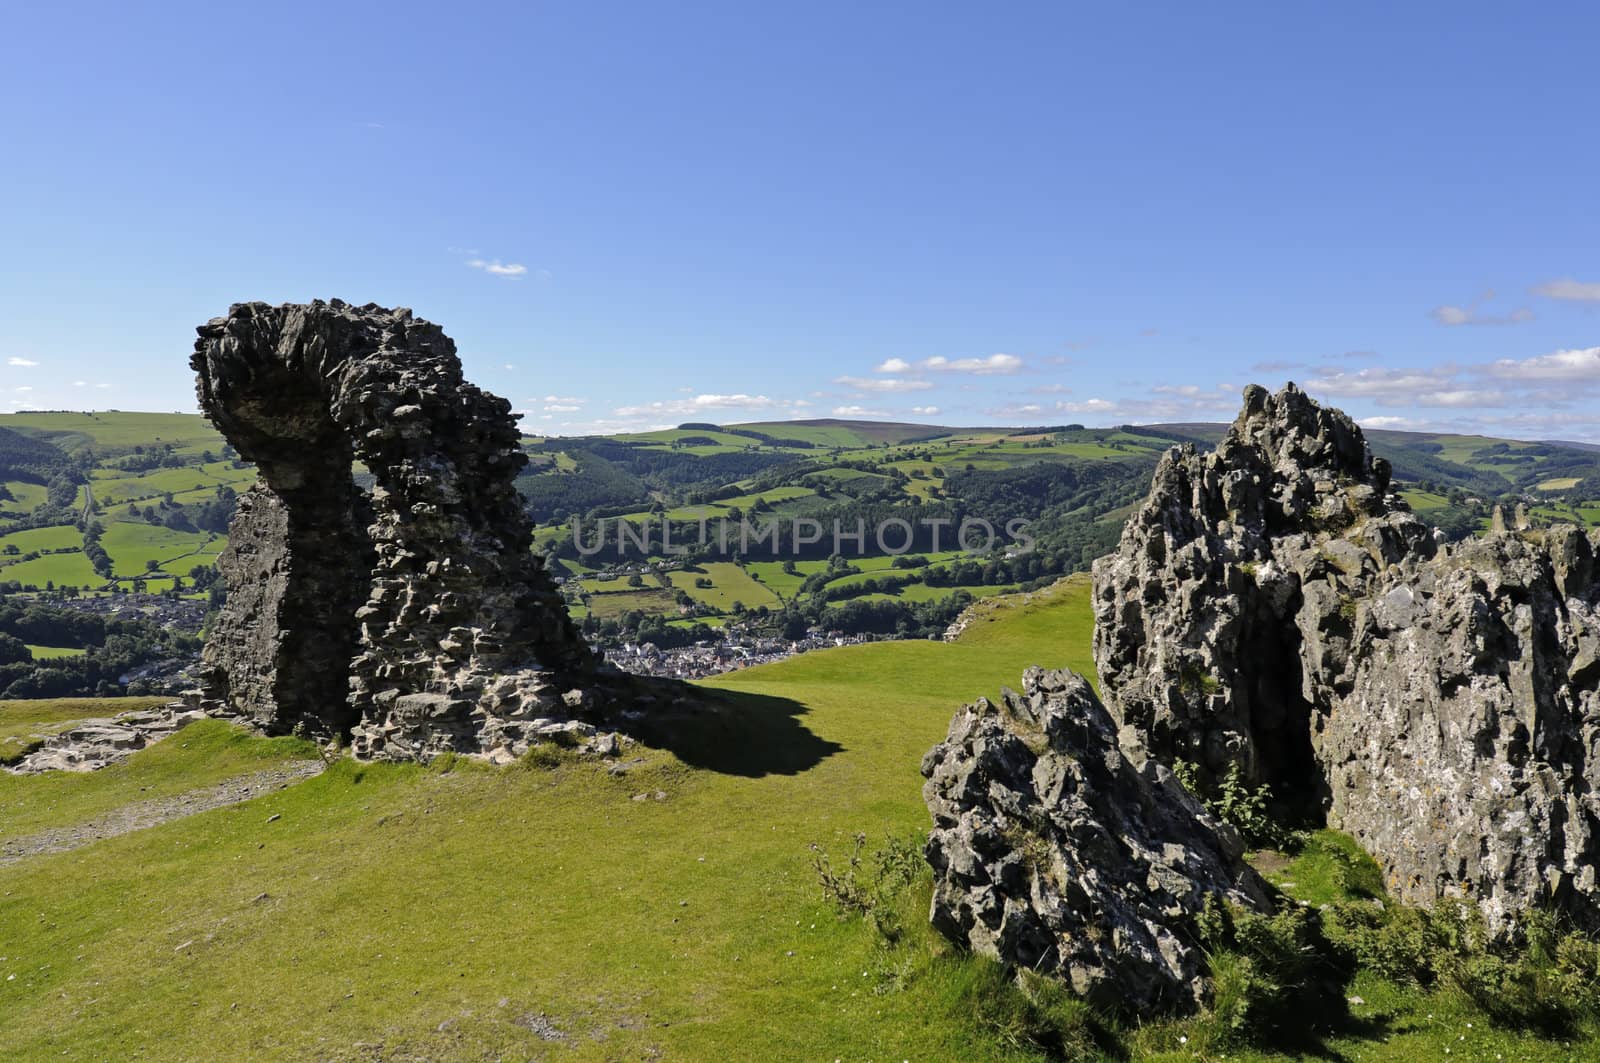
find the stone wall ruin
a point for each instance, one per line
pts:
(415, 619)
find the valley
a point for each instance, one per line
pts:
(729, 538)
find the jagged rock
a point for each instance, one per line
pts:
(416, 619)
(1272, 606)
(1055, 850)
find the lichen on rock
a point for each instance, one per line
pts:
(1056, 850)
(1273, 606)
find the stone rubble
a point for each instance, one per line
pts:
(92, 744)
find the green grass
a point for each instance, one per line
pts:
(922, 592)
(402, 912)
(25, 496)
(21, 721)
(64, 570)
(404, 906)
(189, 432)
(774, 497)
(1330, 867)
(200, 755)
(55, 537)
(133, 545)
(192, 483)
(772, 575)
(730, 584)
(617, 585)
(1422, 501)
(46, 653)
(648, 599)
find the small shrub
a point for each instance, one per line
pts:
(1192, 681)
(542, 756)
(875, 888)
(1238, 804)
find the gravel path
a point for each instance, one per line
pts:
(156, 811)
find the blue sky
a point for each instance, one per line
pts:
(631, 215)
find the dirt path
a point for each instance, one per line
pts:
(154, 812)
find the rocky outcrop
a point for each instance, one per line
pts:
(1274, 607)
(415, 618)
(1056, 850)
(90, 745)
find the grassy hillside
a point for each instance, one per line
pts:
(555, 910)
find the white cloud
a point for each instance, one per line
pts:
(26, 363)
(1460, 315)
(1391, 387)
(103, 386)
(1578, 365)
(1388, 422)
(1472, 314)
(1050, 389)
(699, 404)
(498, 268)
(884, 385)
(1570, 290)
(925, 411)
(561, 407)
(858, 411)
(566, 399)
(23, 388)
(1458, 398)
(1087, 406)
(80, 383)
(1024, 409)
(508, 367)
(994, 364)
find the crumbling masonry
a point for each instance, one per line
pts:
(414, 619)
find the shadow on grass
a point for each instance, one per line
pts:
(732, 732)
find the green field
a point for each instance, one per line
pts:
(1422, 501)
(781, 583)
(730, 584)
(648, 599)
(133, 546)
(111, 430)
(31, 540)
(25, 496)
(195, 483)
(1559, 483)
(64, 570)
(46, 653)
(921, 592)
